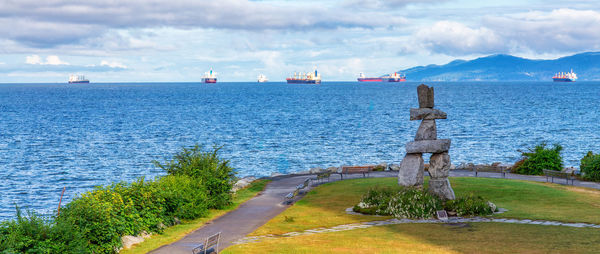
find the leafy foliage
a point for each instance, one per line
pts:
(469, 206)
(95, 221)
(540, 158)
(399, 202)
(206, 166)
(414, 203)
(590, 166)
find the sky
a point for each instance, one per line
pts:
(180, 40)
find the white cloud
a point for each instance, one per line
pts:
(455, 38)
(33, 59)
(50, 60)
(113, 64)
(50, 23)
(546, 32)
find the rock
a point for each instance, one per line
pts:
(274, 174)
(441, 188)
(411, 170)
(243, 183)
(129, 240)
(428, 146)
(394, 167)
(452, 167)
(425, 94)
(440, 165)
(427, 130)
(176, 221)
(316, 170)
(426, 167)
(426, 114)
(332, 169)
(492, 206)
(305, 172)
(380, 167)
(569, 170)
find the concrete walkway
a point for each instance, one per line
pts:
(236, 224)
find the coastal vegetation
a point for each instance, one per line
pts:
(94, 222)
(414, 203)
(324, 207)
(590, 166)
(539, 158)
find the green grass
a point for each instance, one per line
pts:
(436, 238)
(324, 207)
(177, 232)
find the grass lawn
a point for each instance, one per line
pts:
(324, 207)
(177, 232)
(436, 238)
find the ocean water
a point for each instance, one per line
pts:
(80, 136)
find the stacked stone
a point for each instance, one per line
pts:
(411, 168)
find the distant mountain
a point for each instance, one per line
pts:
(508, 68)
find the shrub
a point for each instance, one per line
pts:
(207, 167)
(590, 166)
(541, 158)
(33, 234)
(469, 206)
(399, 202)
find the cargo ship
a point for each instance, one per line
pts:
(209, 77)
(262, 78)
(305, 78)
(387, 78)
(78, 79)
(565, 77)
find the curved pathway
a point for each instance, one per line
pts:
(235, 225)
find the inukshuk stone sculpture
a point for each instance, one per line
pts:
(411, 168)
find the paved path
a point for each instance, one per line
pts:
(236, 224)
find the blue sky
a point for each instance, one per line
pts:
(179, 40)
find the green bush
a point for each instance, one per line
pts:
(590, 166)
(469, 206)
(402, 202)
(399, 202)
(540, 158)
(215, 173)
(95, 221)
(33, 234)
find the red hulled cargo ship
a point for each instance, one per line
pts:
(209, 77)
(387, 78)
(565, 77)
(305, 78)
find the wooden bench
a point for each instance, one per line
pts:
(365, 170)
(290, 196)
(303, 185)
(558, 174)
(211, 245)
(491, 169)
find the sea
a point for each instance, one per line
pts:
(78, 136)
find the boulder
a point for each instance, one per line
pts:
(426, 114)
(381, 167)
(411, 170)
(274, 174)
(425, 94)
(394, 167)
(439, 165)
(305, 172)
(129, 240)
(332, 169)
(243, 183)
(428, 146)
(316, 170)
(452, 167)
(441, 188)
(427, 130)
